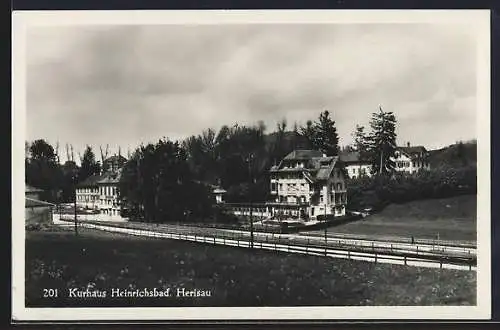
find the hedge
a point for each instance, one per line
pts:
(441, 182)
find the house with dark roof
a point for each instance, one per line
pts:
(306, 184)
(354, 164)
(101, 192)
(87, 192)
(411, 159)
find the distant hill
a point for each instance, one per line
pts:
(455, 155)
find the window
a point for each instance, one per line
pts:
(321, 199)
(273, 186)
(281, 186)
(339, 186)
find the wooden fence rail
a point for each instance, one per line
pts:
(390, 255)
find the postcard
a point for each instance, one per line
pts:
(251, 165)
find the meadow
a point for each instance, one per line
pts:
(446, 219)
(95, 260)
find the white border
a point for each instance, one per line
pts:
(479, 19)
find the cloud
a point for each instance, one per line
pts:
(131, 84)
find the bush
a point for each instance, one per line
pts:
(441, 182)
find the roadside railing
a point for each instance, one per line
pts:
(331, 248)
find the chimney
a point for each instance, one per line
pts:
(407, 144)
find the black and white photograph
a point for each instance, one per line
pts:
(251, 165)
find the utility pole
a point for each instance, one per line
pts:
(74, 205)
(326, 227)
(250, 157)
(382, 145)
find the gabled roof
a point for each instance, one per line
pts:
(29, 202)
(116, 158)
(412, 150)
(110, 178)
(303, 154)
(91, 181)
(31, 189)
(352, 157)
(317, 167)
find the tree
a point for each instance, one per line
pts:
(309, 133)
(382, 142)
(157, 185)
(89, 166)
(327, 140)
(41, 150)
(42, 169)
(361, 143)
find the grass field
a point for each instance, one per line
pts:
(235, 277)
(449, 219)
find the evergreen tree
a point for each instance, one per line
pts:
(360, 144)
(327, 140)
(309, 133)
(382, 142)
(89, 165)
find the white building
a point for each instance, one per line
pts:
(354, 165)
(101, 192)
(87, 193)
(411, 159)
(109, 202)
(306, 184)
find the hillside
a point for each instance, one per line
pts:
(447, 218)
(455, 155)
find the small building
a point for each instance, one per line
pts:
(36, 211)
(219, 193)
(411, 159)
(355, 166)
(32, 192)
(306, 184)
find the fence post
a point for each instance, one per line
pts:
(214, 240)
(375, 258)
(349, 254)
(405, 260)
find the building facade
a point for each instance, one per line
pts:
(101, 192)
(87, 193)
(411, 159)
(306, 184)
(109, 202)
(355, 166)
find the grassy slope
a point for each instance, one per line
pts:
(453, 218)
(237, 277)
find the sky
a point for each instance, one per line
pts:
(126, 85)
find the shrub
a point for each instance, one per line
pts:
(441, 182)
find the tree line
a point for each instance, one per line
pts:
(170, 180)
